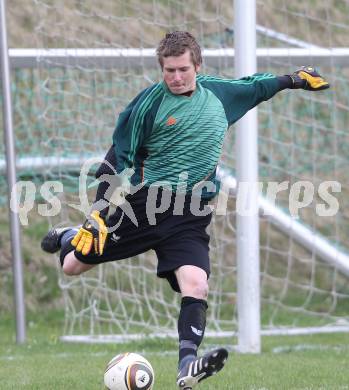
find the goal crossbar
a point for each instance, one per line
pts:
(138, 57)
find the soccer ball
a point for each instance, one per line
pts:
(129, 371)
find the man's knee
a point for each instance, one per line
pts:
(69, 269)
(69, 266)
(72, 266)
(192, 281)
(199, 289)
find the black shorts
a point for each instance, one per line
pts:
(177, 239)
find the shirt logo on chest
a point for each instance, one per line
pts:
(171, 121)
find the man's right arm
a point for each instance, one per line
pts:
(132, 128)
(107, 167)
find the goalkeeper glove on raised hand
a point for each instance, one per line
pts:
(309, 79)
(92, 234)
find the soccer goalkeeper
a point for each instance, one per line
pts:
(173, 127)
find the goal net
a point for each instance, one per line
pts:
(66, 104)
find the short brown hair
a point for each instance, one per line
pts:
(175, 44)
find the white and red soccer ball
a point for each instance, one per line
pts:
(129, 371)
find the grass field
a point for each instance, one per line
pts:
(312, 362)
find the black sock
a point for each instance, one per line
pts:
(191, 327)
(66, 245)
(67, 237)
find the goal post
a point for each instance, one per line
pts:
(247, 226)
(8, 134)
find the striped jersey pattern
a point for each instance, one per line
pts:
(177, 140)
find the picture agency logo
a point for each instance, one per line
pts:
(253, 198)
(118, 186)
(24, 194)
(161, 196)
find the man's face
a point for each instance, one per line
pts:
(179, 73)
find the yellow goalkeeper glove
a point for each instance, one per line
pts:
(92, 234)
(309, 79)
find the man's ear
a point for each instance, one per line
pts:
(197, 68)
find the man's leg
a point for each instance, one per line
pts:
(191, 327)
(60, 239)
(72, 266)
(192, 282)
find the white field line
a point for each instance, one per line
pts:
(276, 350)
(67, 355)
(309, 347)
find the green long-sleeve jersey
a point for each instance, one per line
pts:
(162, 136)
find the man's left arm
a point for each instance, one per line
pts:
(265, 86)
(306, 78)
(240, 96)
